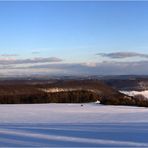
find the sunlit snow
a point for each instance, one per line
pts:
(73, 125)
(133, 93)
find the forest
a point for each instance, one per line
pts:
(27, 92)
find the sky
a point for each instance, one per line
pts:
(73, 38)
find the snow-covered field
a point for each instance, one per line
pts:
(73, 125)
(133, 93)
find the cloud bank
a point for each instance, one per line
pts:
(122, 55)
(9, 60)
(103, 68)
(9, 55)
(54, 65)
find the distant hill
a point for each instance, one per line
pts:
(64, 91)
(137, 84)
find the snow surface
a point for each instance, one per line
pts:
(69, 125)
(133, 93)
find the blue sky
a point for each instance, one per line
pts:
(73, 32)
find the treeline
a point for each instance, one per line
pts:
(126, 100)
(25, 92)
(43, 97)
(19, 94)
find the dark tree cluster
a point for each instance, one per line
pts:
(18, 94)
(126, 100)
(73, 97)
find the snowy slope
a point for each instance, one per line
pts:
(73, 125)
(133, 93)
